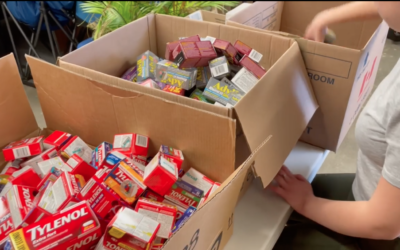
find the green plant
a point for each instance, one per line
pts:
(115, 14)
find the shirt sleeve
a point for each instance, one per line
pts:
(391, 167)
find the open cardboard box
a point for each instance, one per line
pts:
(342, 74)
(86, 97)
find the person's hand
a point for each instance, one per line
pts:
(295, 189)
(316, 30)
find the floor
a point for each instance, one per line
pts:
(344, 161)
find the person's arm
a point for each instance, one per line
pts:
(354, 11)
(378, 218)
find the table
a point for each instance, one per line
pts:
(260, 215)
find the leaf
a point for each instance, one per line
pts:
(115, 14)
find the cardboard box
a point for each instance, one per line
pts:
(20, 202)
(57, 162)
(103, 203)
(244, 49)
(76, 145)
(208, 16)
(146, 66)
(224, 139)
(226, 48)
(184, 195)
(160, 174)
(199, 180)
(173, 155)
(253, 67)
(131, 230)
(130, 74)
(244, 80)
(80, 167)
(23, 149)
(342, 74)
(129, 144)
(219, 67)
(6, 225)
(126, 182)
(75, 227)
(162, 213)
(57, 139)
(168, 73)
(46, 155)
(193, 54)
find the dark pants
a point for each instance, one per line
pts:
(302, 233)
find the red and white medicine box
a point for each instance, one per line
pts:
(213, 189)
(46, 155)
(199, 180)
(103, 202)
(12, 166)
(6, 225)
(112, 159)
(163, 213)
(57, 139)
(160, 174)
(76, 227)
(81, 167)
(126, 182)
(129, 144)
(140, 159)
(26, 177)
(63, 192)
(131, 230)
(76, 145)
(20, 202)
(173, 155)
(24, 148)
(57, 162)
(51, 176)
(36, 213)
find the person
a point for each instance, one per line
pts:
(361, 210)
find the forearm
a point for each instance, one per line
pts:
(353, 11)
(352, 218)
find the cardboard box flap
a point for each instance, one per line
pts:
(73, 103)
(296, 16)
(134, 41)
(208, 16)
(201, 233)
(16, 115)
(262, 15)
(286, 88)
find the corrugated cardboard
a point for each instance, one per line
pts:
(342, 74)
(280, 105)
(211, 224)
(86, 97)
(16, 116)
(208, 16)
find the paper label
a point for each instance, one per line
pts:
(21, 152)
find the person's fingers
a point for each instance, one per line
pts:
(279, 191)
(300, 177)
(287, 172)
(281, 181)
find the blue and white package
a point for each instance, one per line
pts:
(189, 212)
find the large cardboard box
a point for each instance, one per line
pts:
(280, 105)
(211, 225)
(342, 74)
(86, 97)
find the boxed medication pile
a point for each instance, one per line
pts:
(24, 148)
(193, 54)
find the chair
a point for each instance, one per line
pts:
(37, 16)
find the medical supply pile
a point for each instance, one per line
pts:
(206, 69)
(60, 193)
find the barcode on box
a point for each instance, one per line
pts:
(141, 141)
(255, 56)
(219, 70)
(21, 152)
